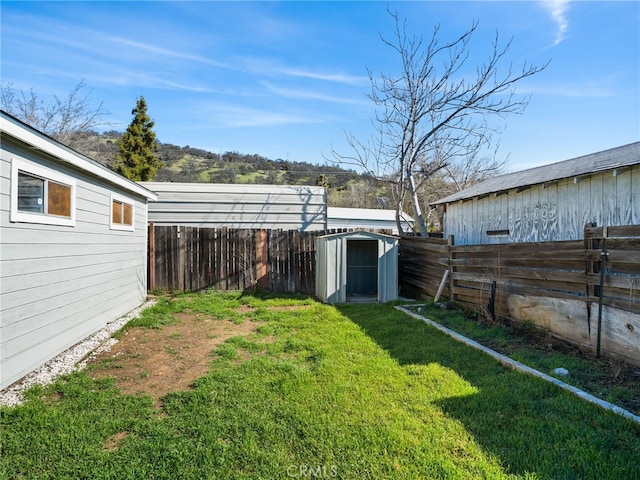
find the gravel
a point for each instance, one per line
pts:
(73, 359)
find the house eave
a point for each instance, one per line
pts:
(38, 141)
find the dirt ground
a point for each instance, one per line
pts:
(156, 362)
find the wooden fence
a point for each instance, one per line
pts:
(568, 287)
(190, 259)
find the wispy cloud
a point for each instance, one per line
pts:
(234, 116)
(311, 95)
(558, 11)
(328, 77)
(164, 52)
(238, 116)
(269, 68)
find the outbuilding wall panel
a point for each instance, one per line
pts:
(203, 205)
(545, 213)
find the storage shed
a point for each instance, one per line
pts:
(72, 248)
(356, 266)
(548, 203)
(286, 207)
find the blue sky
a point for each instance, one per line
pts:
(287, 79)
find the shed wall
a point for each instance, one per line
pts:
(59, 284)
(555, 212)
(331, 266)
(238, 206)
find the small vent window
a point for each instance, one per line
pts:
(122, 211)
(494, 233)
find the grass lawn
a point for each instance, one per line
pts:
(315, 391)
(606, 378)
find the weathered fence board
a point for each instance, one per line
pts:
(556, 271)
(191, 258)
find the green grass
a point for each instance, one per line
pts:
(610, 380)
(354, 392)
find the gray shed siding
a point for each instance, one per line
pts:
(59, 284)
(283, 207)
(331, 266)
(548, 212)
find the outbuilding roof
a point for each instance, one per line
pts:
(611, 159)
(9, 125)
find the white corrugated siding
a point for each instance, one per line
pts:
(367, 219)
(556, 212)
(285, 207)
(60, 284)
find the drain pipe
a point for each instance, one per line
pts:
(603, 263)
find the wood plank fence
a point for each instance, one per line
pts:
(563, 286)
(191, 259)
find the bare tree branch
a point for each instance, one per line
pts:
(66, 119)
(434, 117)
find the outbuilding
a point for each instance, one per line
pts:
(72, 248)
(211, 205)
(549, 203)
(368, 219)
(356, 266)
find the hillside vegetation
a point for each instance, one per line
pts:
(345, 188)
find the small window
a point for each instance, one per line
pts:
(121, 213)
(497, 232)
(41, 195)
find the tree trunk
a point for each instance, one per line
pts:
(416, 205)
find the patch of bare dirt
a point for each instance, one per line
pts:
(156, 362)
(113, 442)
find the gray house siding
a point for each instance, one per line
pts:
(284, 207)
(59, 284)
(557, 209)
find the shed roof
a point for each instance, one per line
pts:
(36, 140)
(611, 159)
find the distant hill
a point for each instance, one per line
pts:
(188, 164)
(345, 188)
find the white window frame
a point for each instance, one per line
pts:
(120, 226)
(17, 216)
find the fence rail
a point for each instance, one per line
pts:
(579, 290)
(189, 258)
(563, 286)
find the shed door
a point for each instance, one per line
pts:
(362, 267)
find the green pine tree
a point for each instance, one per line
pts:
(137, 158)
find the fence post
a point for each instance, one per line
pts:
(591, 268)
(181, 260)
(450, 244)
(151, 267)
(262, 260)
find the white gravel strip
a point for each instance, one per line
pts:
(75, 358)
(509, 362)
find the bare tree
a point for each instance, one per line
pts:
(67, 119)
(430, 116)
